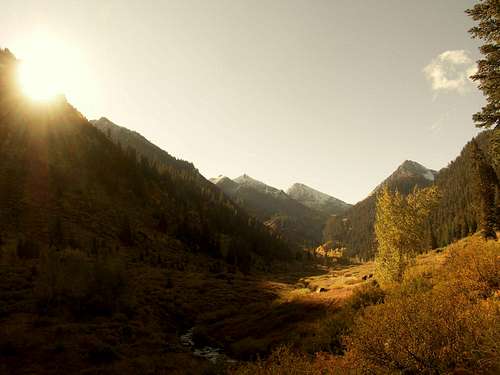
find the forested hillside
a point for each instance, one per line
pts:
(64, 183)
(355, 229)
(460, 208)
(161, 159)
(456, 216)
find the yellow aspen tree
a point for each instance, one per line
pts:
(400, 229)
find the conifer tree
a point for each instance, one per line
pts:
(487, 15)
(486, 183)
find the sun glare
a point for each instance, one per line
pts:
(39, 80)
(46, 69)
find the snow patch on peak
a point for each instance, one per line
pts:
(316, 199)
(410, 167)
(247, 181)
(219, 178)
(306, 192)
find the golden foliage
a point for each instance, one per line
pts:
(400, 229)
(452, 323)
(285, 361)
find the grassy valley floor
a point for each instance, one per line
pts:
(244, 316)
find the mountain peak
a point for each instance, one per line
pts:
(247, 181)
(316, 199)
(412, 168)
(409, 170)
(244, 178)
(219, 178)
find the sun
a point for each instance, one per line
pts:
(46, 69)
(39, 79)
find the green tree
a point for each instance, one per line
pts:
(486, 184)
(400, 229)
(487, 15)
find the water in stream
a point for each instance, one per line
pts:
(208, 352)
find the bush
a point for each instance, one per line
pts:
(70, 279)
(250, 347)
(427, 333)
(285, 361)
(436, 328)
(330, 331)
(473, 267)
(366, 295)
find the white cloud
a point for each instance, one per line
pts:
(450, 71)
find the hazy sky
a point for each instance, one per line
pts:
(334, 94)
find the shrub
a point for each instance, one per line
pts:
(70, 279)
(366, 295)
(427, 333)
(473, 266)
(286, 361)
(250, 347)
(436, 328)
(329, 332)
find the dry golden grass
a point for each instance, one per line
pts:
(444, 316)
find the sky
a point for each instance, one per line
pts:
(332, 94)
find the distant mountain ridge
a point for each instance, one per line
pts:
(245, 180)
(129, 138)
(286, 216)
(317, 200)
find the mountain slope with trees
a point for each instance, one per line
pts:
(354, 230)
(298, 224)
(457, 214)
(65, 183)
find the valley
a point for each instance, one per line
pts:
(119, 258)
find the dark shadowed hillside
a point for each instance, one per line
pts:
(106, 259)
(64, 182)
